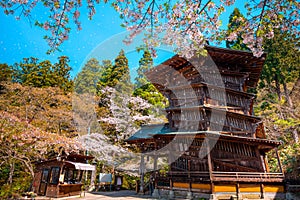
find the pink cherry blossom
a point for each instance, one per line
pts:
(186, 24)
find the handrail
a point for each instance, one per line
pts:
(270, 174)
(229, 175)
(220, 172)
(247, 175)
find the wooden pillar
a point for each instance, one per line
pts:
(258, 155)
(210, 166)
(155, 172)
(155, 163)
(278, 159)
(171, 192)
(93, 178)
(265, 163)
(262, 191)
(189, 175)
(171, 183)
(142, 174)
(237, 190)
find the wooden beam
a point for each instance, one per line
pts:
(235, 166)
(171, 183)
(142, 169)
(258, 155)
(210, 165)
(238, 190)
(278, 159)
(266, 163)
(262, 191)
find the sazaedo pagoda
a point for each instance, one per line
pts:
(215, 146)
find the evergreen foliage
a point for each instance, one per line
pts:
(236, 19)
(117, 75)
(5, 72)
(277, 100)
(145, 64)
(61, 73)
(89, 77)
(115, 80)
(106, 76)
(145, 89)
(31, 72)
(282, 63)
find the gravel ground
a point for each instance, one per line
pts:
(115, 195)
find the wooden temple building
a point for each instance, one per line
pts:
(61, 176)
(216, 148)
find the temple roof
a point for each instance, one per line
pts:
(150, 132)
(242, 62)
(147, 131)
(265, 144)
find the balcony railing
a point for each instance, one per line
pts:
(247, 176)
(198, 177)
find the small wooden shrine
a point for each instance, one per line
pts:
(62, 176)
(215, 147)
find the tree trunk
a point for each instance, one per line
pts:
(296, 89)
(287, 95)
(11, 172)
(295, 135)
(277, 87)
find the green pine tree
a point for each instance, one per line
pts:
(236, 19)
(87, 80)
(61, 72)
(45, 76)
(145, 63)
(6, 72)
(106, 77)
(145, 89)
(117, 75)
(27, 72)
(31, 72)
(282, 63)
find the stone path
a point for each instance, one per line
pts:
(115, 195)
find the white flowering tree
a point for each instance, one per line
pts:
(186, 24)
(126, 112)
(102, 149)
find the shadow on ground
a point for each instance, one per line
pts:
(121, 193)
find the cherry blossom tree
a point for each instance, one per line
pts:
(187, 25)
(126, 112)
(20, 142)
(101, 148)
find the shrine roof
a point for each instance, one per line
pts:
(71, 157)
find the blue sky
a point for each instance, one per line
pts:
(19, 39)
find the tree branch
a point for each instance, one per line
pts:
(261, 15)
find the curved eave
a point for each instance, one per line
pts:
(254, 118)
(210, 86)
(139, 140)
(247, 63)
(267, 144)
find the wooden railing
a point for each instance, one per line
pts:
(198, 177)
(247, 176)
